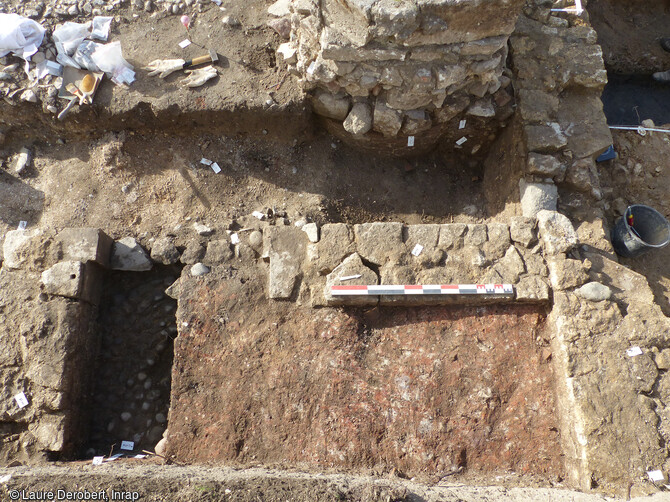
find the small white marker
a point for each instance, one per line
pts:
(114, 457)
(22, 225)
(184, 43)
(461, 124)
(259, 215)
(234, 238)
(21, 400)
(656, 476)
(634, 351)
(215, 167)
(127, 445)
(410, 140)
(205, 161)
(140, 456)
(350, 277)
(461, 141)
(311, 68)
(5, 478)
(417, 250)
(97, 460)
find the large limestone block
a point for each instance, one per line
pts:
(556, 232)
(532, 288)
(336, 243)
(565, 273)
(330, 105)
(351, 266)
(128, 255)
(29, 249)
(379, 242)
(386, 120)
(351, 18)
(286, 249)
(545, 138)
(536, 197)
(68, 279)
(359, 120)
(523, 230)
(86, 244)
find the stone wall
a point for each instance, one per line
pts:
(386, 70)
(49, 292)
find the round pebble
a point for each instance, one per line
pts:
(199, 269)
(125, 416)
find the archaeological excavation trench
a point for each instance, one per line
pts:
(174, 280)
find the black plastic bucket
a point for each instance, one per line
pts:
(640, 229)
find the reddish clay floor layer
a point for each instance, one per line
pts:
(426, 389)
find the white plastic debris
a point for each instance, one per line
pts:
(127, 445)
(311, 68)
(69, 36)
(19, 35)
(657, 476)
(205, 161)
(634, 351)
(410, 140)
(22, 225)
(100, 28)
(417, 250)
(5, 478)
(97, 460)
(215, 167)
(109, 58)
(114, 457)
(259, 215)
(461, 141)
(184, 43)
(350, 277)
(21, 400)
(234, 239)
(461, 124)
(140, 455)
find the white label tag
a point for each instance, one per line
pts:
(461, 124)
(461, 141)
(22, 225)
(97, 460)
(417, 250)
(205, 161)
(184, 43)
(234, 238)
(634, 351)
(350, 277)
(21, 400)
(215, 167)
(410, 140)
(127, 445)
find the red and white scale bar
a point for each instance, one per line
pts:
(429, 289)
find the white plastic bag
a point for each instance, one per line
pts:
(19, 35)
(100, 28)
(69, 36)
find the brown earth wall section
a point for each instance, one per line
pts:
(426, 389)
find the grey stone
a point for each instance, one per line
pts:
(359, 120)
(312, 231)
(86, 244)
(582, 175)
(29, 96)
(256, 240)
(174, 289)
(532, 287)
(446, 76)
(594, 292)
(286, 249)
(67, 279)
(425, 235)
(511, 266)
(498, 241)
(17, 246)
(161, 447)
(336, 243)
(218, 252)
(353, 265)
(643, 372)
(536, 197)
(476, 235)
(537, 106)
(49, 431)
(202, 229)
(280, 8)
(22, 162)
(535, 264)
(386, 120)
(545, 165)
(128, 255)
(394, 19)
(416, 121)
(523, 230)
(565, 273)
(282, 26)
(379, 242)
(164, 251)
(194, 252)
(545, 138)
(199, 269)
(482, 108)
(662, 359)
(556, 232)
(452, 235)
(331, 106)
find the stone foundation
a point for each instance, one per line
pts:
(385, 69)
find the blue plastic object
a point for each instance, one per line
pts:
(608, 154)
